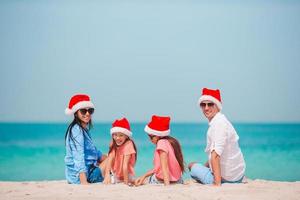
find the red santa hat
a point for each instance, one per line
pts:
(121, 125)
(159, 126)
(77, 102)
(211, 95)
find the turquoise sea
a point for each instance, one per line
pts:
(31, 151)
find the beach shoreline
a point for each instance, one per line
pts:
(46, 190)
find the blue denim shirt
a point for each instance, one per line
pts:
(80, 154)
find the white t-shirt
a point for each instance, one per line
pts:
(222, 137)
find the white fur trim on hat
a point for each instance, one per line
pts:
(80, 105)
(210, 98)
(156, 132)
(122, 130)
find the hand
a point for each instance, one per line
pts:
(139, 181)
(217, 184)
(166, 184)
(107, 180)
(206, 164)
(84, 183)
(83, 179)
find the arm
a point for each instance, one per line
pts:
(77, 148)
(101, 157)
(83, 179)
(111, 157)
(140, 180)
(125, 168)
(219, 140)
(164, 166)
(216, 169)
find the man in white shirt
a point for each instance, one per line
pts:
(225, 160)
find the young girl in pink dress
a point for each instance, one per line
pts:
(168, 157)
(122, 154)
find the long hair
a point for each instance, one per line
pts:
(114, 146)
(77, 121)
(177, 150)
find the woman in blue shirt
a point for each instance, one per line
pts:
(84, 163)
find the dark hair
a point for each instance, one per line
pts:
(177, 150)
(113, 146)
(77, 121)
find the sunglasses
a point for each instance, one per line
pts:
(203, 105)
(84, 111)
(151, 136)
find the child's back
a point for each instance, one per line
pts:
(173, 165)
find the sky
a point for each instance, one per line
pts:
(139, 58)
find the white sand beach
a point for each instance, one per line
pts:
(46, 190)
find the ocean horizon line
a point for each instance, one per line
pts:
(145, 122)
